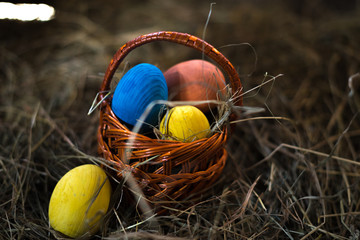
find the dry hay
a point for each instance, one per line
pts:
(293, 170)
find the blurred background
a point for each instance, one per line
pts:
(51, 71)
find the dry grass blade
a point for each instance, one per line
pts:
(240, 211)
(285, 145)
(218, 214)
(143, 235)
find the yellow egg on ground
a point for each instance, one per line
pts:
(185, 123)
(80, 200)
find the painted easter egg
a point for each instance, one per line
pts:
(79, 201)
(195, 80)
(185, 123)
(141, 85)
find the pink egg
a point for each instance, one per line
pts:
(195, 80)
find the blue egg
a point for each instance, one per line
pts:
(140, 86)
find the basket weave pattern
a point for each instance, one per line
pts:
(166, 170)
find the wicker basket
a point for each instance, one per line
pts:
(167, 171)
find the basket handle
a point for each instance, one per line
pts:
(176, 37)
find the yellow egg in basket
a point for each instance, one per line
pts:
(185, 123)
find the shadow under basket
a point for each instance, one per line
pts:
(168, 172)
